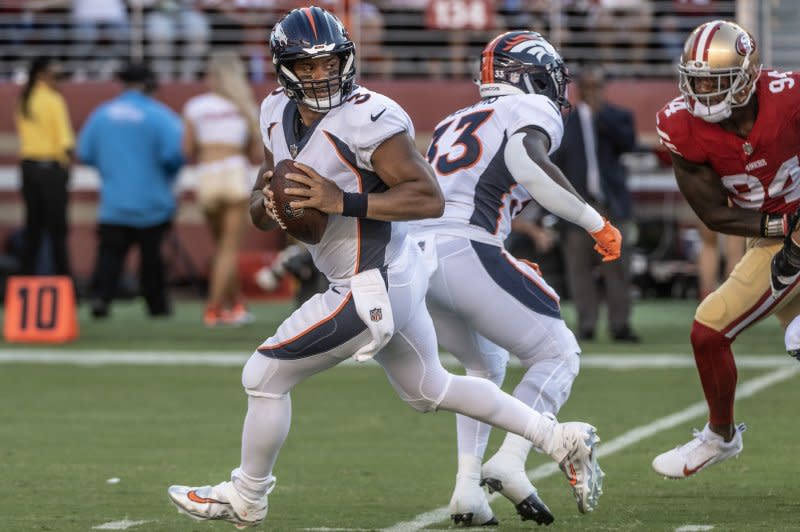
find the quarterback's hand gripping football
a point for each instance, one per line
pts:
(321, 193)
(608, 241)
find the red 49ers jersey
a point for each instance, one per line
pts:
(760, 172)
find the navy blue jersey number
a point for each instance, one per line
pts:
(471, 143)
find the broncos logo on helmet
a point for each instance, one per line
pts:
(523, 62)
(311, 33)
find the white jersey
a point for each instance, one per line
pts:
(467, 153)
(339, 147)
(216, 120)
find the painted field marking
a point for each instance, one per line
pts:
(627, 439)
(326, 529)
(694, 528)
(788, 367)
(175, 358)
(119, 525)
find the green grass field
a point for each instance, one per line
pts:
(357, 458)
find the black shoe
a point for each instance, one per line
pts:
(626, 335)
(587, 335)
(99, 309)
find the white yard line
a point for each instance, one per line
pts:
(326, 529)
(119, 525)
(191, 358)
(694, 528)
(632, 437)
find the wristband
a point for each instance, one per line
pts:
(774, 225)
(354, 204)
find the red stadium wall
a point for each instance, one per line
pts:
(426, 102)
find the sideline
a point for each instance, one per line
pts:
(192, 358)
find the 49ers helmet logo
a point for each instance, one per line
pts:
(745, 44)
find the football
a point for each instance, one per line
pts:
(307, 225)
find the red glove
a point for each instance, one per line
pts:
(609, 241)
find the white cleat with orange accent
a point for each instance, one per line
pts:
(219, 503)
(576, 453)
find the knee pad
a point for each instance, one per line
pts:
(256, 377)
(431, 391)
(422, 405)
(495, 371)
(570, 354)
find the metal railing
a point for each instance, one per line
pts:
(632, 38)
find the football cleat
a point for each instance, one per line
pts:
(266, 279)
(218, 503)
(468, 505)
(237, 315)
(705, 449)
(506, 475)
(575, 446)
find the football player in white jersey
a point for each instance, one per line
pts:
(375, 306)
(491, 159)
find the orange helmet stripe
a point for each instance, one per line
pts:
(310, 16)
(487, 71)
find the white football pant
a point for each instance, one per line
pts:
(325, 331)
(486, 303)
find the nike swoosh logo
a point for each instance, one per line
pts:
(194, 497)
(377, 116)
(689, 472)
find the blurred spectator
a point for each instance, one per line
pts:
(46, 142)
(708, 259)
(176, 31)
(134, 142)
(670, 37)
(595, 136)
(294, 259)
(375, 58)
(249, 23)
(32, 28)
(221, 132)
(621, 29)
(101, 36)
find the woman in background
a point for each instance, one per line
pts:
(221, 134)
(46, 144)
(712, 245)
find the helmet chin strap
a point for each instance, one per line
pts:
(322, 105)
(712, 113)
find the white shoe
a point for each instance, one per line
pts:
(705, 449)
(574, 449)
(220, 502)
(505, 474)
(468, 505)
(266, 279)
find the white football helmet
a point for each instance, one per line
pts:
(718, 69)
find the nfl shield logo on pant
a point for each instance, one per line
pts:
(376, 314)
